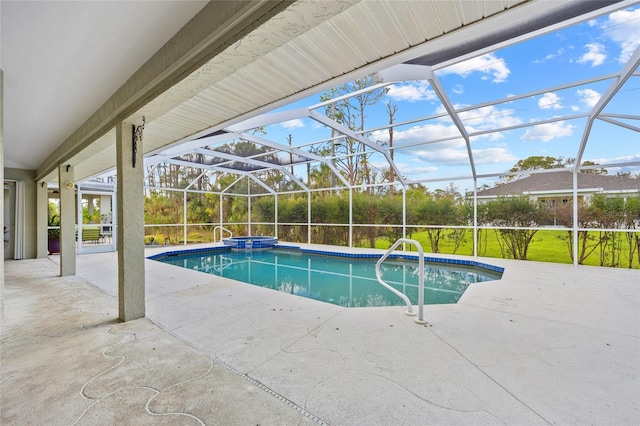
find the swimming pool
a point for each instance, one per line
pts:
(340, 279)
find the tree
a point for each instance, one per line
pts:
(348, 154)
(628, 174)
(600, 171)
(538, 162)
(164, 208)
(391, 112)
(435, 211)
(632, 221)
(508, 214)
(442, 207)
(587, 243)
(608, 213)
(389, 212)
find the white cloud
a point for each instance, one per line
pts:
(458, 89)
(409, 170)
(549, 101)
(620, 159)
(488, 64)
(623, 27)
(460, 157)
(412, 92)
(548, 131)
(595, 55)
(557, 53)
(493, 155)
(417, 134)
(293, 124)
(489, 118)
(588, 97)
(449, 156)
(450, 152)
(485, 118)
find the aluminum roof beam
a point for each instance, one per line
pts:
(556, 14)
(266, 165)
(442, 95)
(627, 71)
(351, 134)
(299, 152)
(619, 123)
(205, 167)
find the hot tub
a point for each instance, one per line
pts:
(250, 242)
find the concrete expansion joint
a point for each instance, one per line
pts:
(180, 413)
(244, 376)
(156, 392)
(103, 372)
(173, 413)
(2, 380)
(483, 372)
(404, 388)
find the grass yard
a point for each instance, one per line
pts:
(546, 246)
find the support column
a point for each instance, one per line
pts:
(42, 216)
(130, 208)
(67, 220)
(105, 208)
(2, 198)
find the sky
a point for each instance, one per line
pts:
(586, 50)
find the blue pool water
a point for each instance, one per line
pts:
(342, 281)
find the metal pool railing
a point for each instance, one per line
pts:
(221, 228)
(420, 319)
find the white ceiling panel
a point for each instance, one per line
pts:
(279, 60)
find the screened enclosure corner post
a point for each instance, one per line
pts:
(220, 210)
(308, 217)
(475, 217)
(350, 217)
(249, 197)
(575, 217)
(404, 215)
(184, 217)
(276, 216)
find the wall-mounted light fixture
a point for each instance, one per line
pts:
(136, 135)
(69, 185)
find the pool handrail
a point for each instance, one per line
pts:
(420, 319)
(221, 228)
(225, 262)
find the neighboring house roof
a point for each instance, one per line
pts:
(562, 182)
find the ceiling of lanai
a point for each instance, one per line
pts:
(74, 73)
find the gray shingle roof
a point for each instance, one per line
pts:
(562, 182)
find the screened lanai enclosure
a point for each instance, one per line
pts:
(520, 143)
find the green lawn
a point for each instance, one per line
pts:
(546, 246)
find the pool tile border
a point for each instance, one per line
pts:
(187, 251)
(407, 257)
(461, 262)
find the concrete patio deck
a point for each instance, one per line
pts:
(547, 344)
